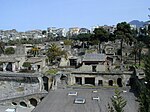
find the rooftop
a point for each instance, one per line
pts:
(94, 57)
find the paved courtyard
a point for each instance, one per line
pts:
(59, 101)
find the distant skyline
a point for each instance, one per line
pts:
(24, 15)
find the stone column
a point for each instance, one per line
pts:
(4, 66)
(83, 80)
(50, 81)
(13, 67)
(72, 80)
(40, 83)
(96, 81)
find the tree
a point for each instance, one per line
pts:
(147, 68)
(140, 46)
(9, 50)
(26, 65)
(84, 37)
(144, 97)
(118, 101)
(124, 33)
(23, 41)
(100, 34)
(55, 52)
(34, 51)
(2, 44)
(144, 100)
(68, 42)
(135, 51)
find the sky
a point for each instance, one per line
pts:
(24, 15)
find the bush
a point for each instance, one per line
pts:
(9, 50)
(51, 72)
(26, 64)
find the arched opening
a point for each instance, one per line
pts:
(23, 104)
(100, 82)
(45, 82)
(110, 82)
(119, 82)
(33, 102)
(9, 67)
(103, 51)
(41, 98)
(14, 103)
(63, 77)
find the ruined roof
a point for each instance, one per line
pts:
(11, 58)
(13, 74)
(8, 59)
(34, 60)
(94, 57)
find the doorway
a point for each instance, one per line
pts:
(45, 82)
(119, 82)
(93, 68)
(100, 82)
(90, 80)
(78, 80)
(110, 82)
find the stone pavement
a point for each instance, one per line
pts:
(18, 108)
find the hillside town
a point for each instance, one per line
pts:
(40, 68)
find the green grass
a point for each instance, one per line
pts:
(141, 66)
(51, 72)
(90, 51)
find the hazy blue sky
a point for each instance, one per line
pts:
(39, 14)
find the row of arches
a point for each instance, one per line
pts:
(119, 82)
(32, 101)
(92, 81)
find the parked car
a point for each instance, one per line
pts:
(124, 91)
(94, 91)
(95, 98)
(72, 93)
(79, 100)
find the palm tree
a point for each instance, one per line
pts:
(34, 51)
(55, 52)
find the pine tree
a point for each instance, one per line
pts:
(144, 97)
(118, 101)
(147, 68)
(144, 101)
